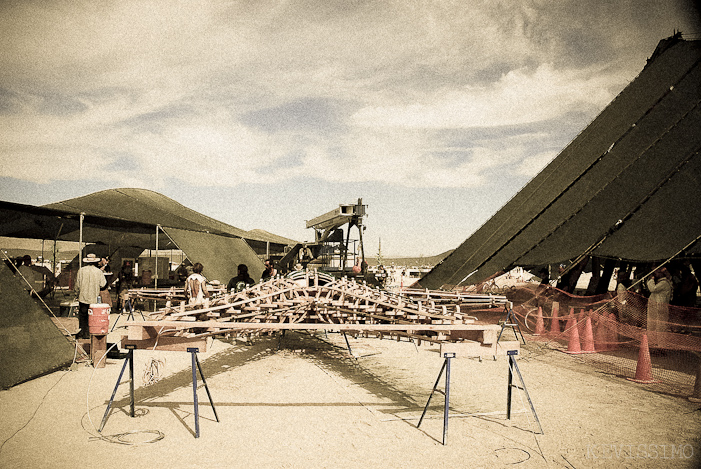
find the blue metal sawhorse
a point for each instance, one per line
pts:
(130, 309)
(195, 366)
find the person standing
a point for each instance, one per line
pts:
(25, 269)
(105, 294)
(125, 281)
(196, 286)
(241, 281)
(660, 286)
(269, 271)
(89, 280)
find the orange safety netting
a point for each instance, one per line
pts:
(610, 329)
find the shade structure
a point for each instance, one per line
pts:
(129, 217)
(627, 187)
(220, 255)
(30, 344)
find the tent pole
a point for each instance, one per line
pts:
(155, 280)
(80, 242)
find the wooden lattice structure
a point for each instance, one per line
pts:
(314, 301)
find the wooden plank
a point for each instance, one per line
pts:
(315, 326)
(98, 350)
(165, 343)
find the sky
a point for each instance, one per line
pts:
(265, 114)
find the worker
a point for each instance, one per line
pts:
(105, 295)
(241, 281)
(269, 271)
(660, 286)
(89, 280)
(196, 286)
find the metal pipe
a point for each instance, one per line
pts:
(155, 279)
(80, 242)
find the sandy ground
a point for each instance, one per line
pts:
(311, 404)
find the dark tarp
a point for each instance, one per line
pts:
(219, 255)
(151, 208)
(28, 221)
(30, 344)
(627, 187)
(122, 217)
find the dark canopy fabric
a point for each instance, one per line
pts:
(28, 221)
(220, 255)
(152, 208)
(627, 187)
(121, 217)
(30, 344)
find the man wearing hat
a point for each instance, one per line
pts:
(87, 285)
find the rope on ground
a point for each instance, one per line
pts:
(35, 411)
(118, 438)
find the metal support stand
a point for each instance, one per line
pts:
(514, 366)
(510, 321)
(196, 362)
(130, 361)
(347, 343)
(280, 336)
(446, 393)
(130, 309)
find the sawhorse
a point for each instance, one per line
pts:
(513, 366)
(446, 393)
(512, 322)
(130, 309)
(130, 361)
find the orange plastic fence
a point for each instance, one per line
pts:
(618, 325)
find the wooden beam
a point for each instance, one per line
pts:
(313, 326)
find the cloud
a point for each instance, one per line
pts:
(413, 94)
(519, 97)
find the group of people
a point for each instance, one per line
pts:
(92, 285)
(196, 283)
(37, 279)
(671, 298)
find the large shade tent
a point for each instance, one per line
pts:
(144, 219)
(121, 218)
(628, 187)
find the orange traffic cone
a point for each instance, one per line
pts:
(588, 337)
(539, 326)
(555, 321)
(573, 336)
(643, 370)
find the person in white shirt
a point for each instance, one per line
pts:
(660, 286)
(196, 286)
(89, 280)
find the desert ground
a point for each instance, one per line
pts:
(304, 401)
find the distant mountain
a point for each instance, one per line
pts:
(428, 261)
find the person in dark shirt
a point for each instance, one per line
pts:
(241, 281)
(269, 271)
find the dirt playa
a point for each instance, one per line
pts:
(304, 401)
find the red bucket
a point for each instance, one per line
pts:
(99, 318)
